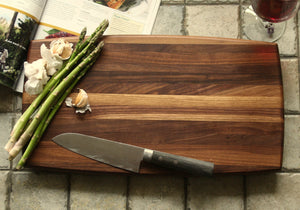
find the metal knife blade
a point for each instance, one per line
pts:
(127, 156)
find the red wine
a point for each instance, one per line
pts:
(275, 10)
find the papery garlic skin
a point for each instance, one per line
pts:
(53, 63)
(61, 48)
(68, 102)
(33, 87)
(36, 68)
(84, 109)
(37, 76)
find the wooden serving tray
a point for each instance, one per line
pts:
(213, 99)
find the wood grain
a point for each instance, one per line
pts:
(213, 99)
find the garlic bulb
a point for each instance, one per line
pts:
(38, 71)
(61, 48)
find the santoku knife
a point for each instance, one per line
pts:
(127, 156)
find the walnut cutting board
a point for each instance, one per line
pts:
(213, 99)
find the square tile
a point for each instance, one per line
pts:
(290, 77)
(98, 191)
(273, 191)
(156, 192)
(218, 192)
(31, 190)
(4, 185)
(166, 25)
(287, 44)
(291, 148)
(212, 20)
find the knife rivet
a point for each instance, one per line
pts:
(160, 158)
(175, 162)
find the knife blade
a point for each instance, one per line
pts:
(129, 157)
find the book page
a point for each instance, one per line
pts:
(18, 22)
(69, 17)
(30, 8)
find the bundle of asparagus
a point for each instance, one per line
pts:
(38, 115)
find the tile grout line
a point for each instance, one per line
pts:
(245, 191)
(183, 22)
(127, 193)
(69, 191)
(291, 113)
(240, 21)
(185, 191)
(297, 35)
(298, 43)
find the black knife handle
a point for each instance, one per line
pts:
(179, 163)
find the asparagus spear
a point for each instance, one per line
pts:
(80, 40)
(36, 136)
(47, 119)
(103, 24)
(49, 102)
(82, 50)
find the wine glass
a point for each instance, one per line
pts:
(265, 20)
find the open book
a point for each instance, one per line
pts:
(24, 20)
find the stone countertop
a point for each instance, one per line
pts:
(30, 189)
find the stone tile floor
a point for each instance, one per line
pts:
(29, 189)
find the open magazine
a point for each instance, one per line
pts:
(24, 20)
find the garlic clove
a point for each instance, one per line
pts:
(66, 53)
(81, 104)
(81, 99)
